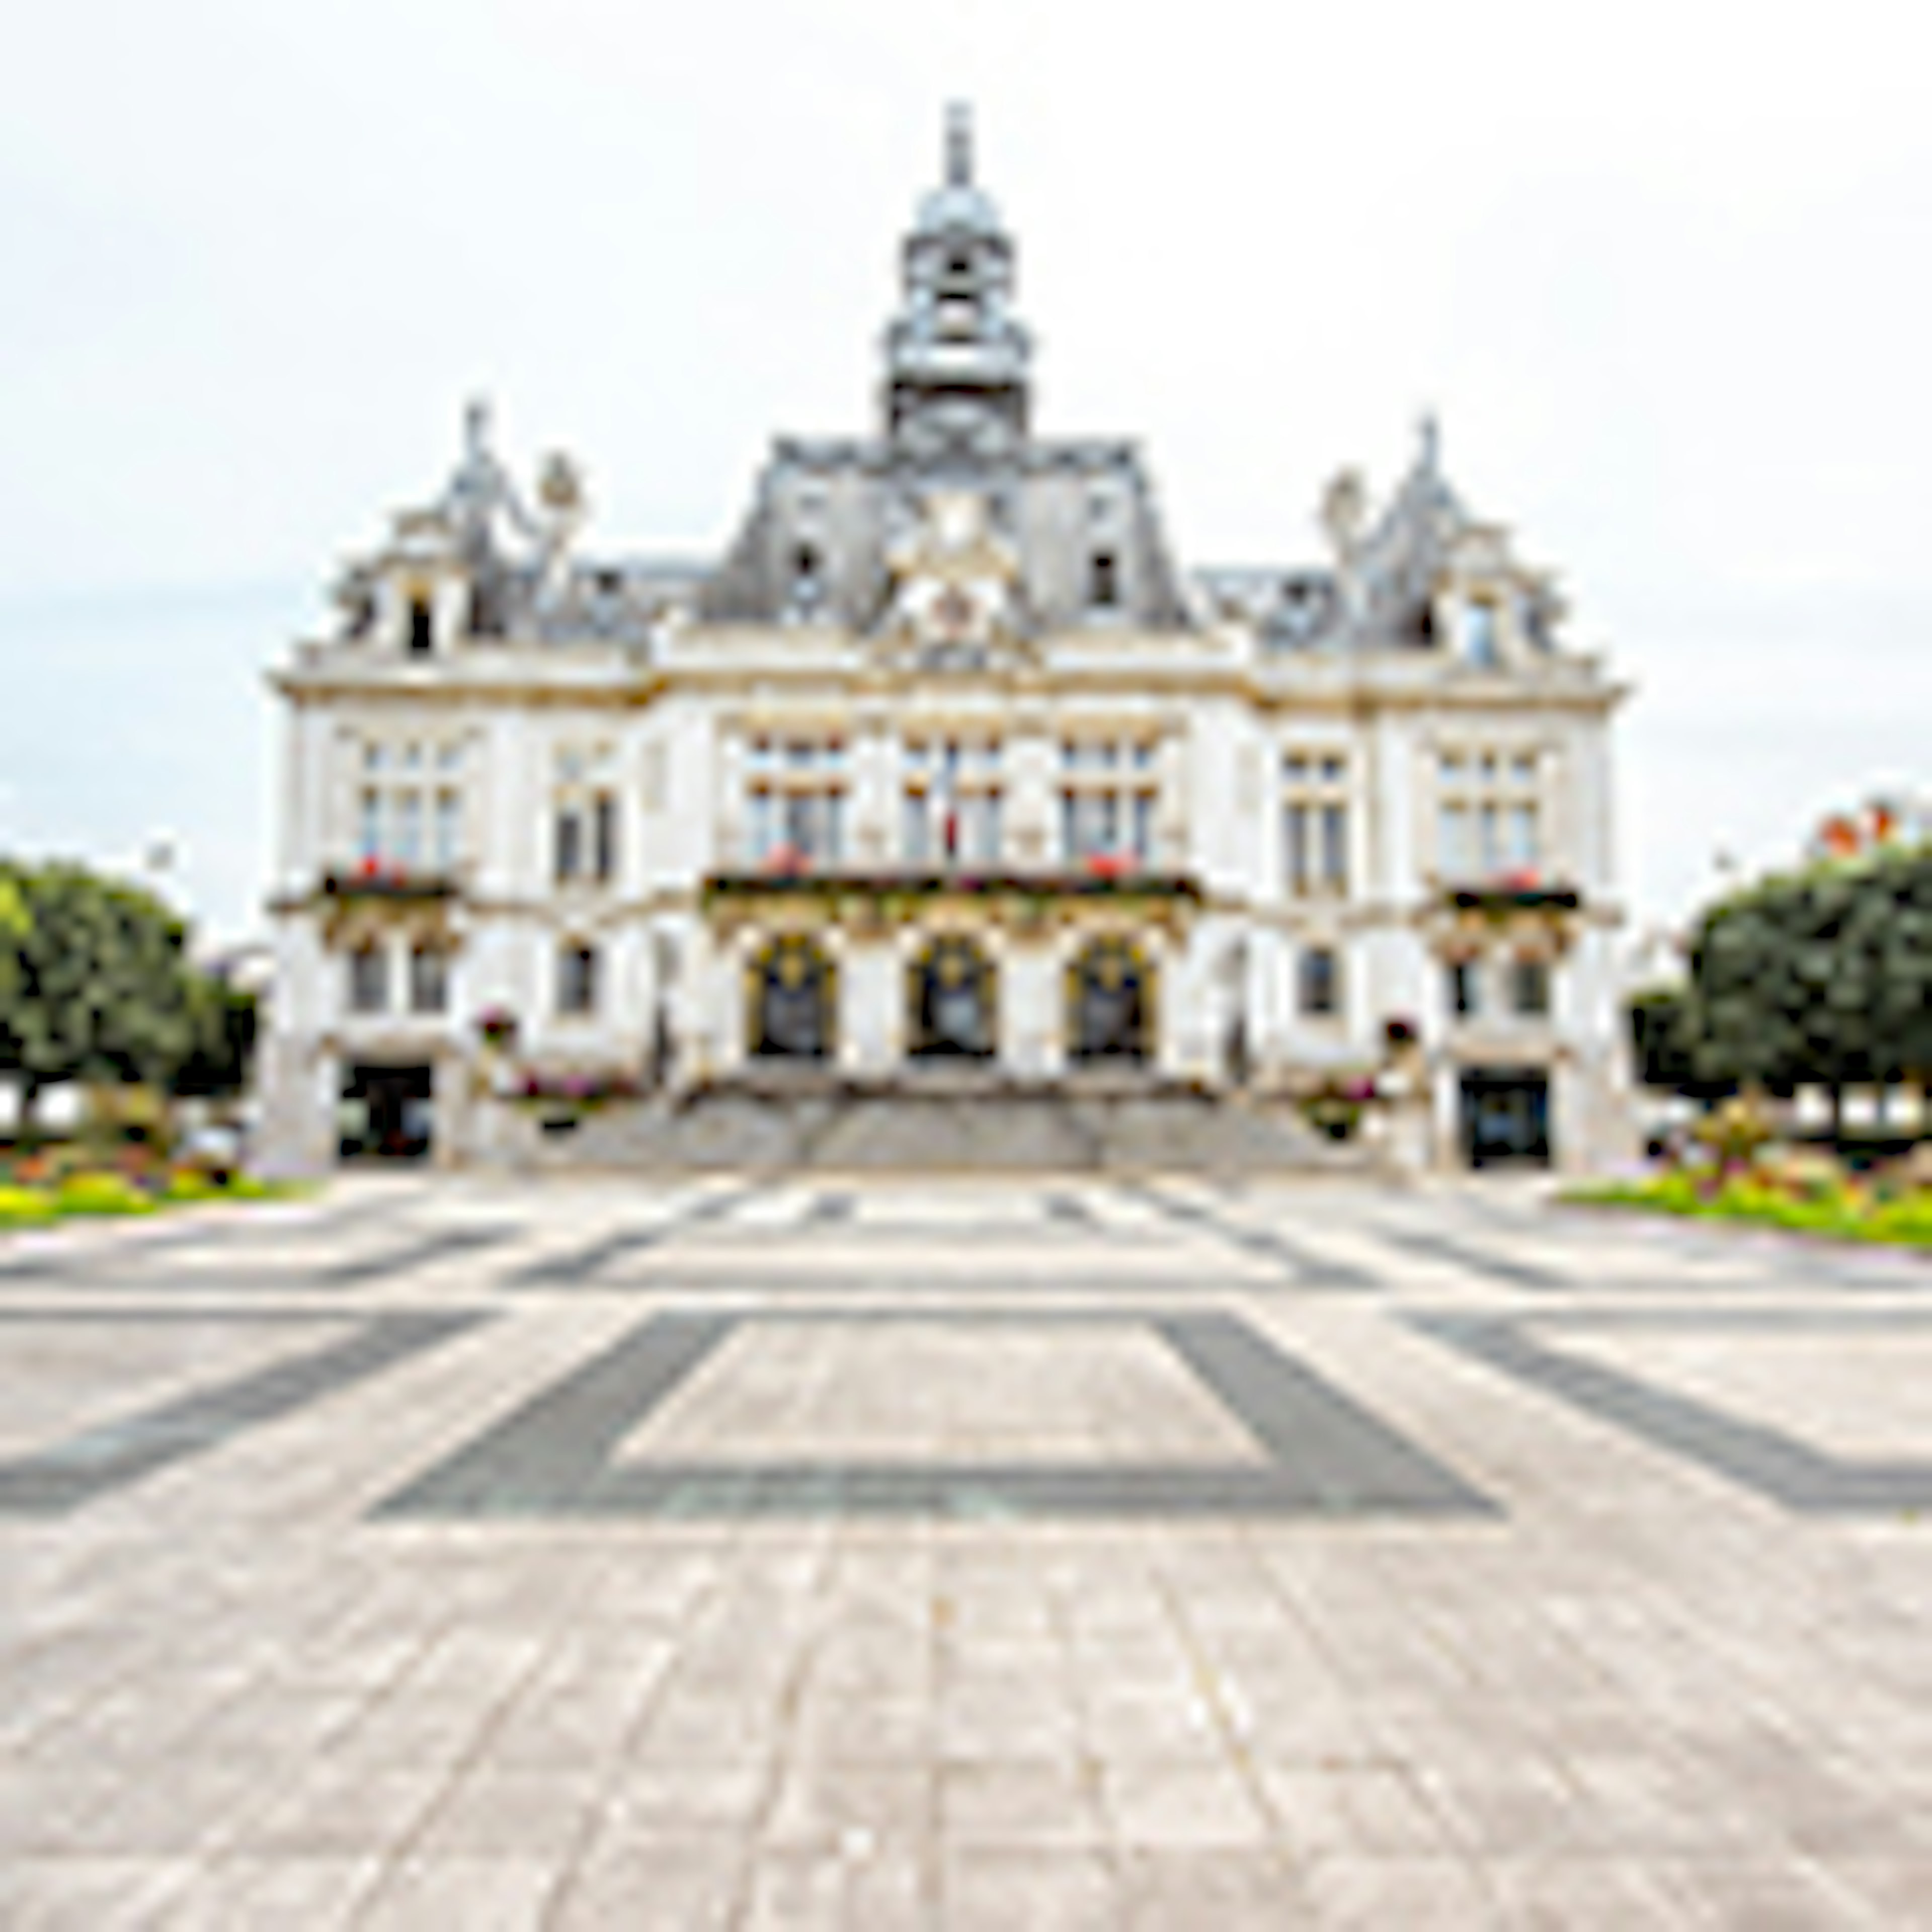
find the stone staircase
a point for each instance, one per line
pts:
(950, 1122)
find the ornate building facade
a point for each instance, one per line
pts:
(946, 772)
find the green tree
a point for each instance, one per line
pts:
(224, 1018)
(1824, 977)
(14, 927)
(100, 991)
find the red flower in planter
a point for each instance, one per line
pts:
(369, 868)
(786, 860)
(1109, 865)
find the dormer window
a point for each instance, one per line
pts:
(1478, 637)
(422, 624)
(806, 565)
(1103, 581)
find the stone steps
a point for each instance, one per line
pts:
(952, 1126)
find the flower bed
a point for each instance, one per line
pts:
(1840, 1209)
(39, 1192)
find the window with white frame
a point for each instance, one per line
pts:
(410, 804)
(369, 978)
(952, 792)
(1529, 986)
(1477, 627)
(1109, 788)
(1318, 982)
(796, 798)
(429, 977)
(1315, 822)
(1489, 813)
(583, 817)
(577, 974)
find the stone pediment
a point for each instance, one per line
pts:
(954, 600)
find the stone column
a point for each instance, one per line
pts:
(871, 995)
(1032, 1039)
(872, 811)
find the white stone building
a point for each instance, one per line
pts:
(946, 771)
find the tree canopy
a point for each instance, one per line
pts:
(1823, 977)
(95, 986)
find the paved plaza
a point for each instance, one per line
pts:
(1070, 1554)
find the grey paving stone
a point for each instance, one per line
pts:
(68, 1474)
(1257, 1675)
(1328, 1455)
(1760, 1458)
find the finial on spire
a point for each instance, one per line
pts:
(476, 428)
(958, 145)
(1429, 440)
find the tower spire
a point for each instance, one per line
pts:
(956, 360)
(958, 145)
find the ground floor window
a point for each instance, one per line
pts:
(792, 1000)
(1110, 1002)
(1504, 1116)
(388, 1112)
(952, 1002)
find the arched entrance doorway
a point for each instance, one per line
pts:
(1110, 1002)
(951, 1002)
(791, 1000)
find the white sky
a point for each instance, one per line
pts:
(1666, 270)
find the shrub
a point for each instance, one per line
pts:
(97, 1193)
(24, 1208)
(188, 1184)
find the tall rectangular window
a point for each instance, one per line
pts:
(369, 979)
(429, 979)
(422, 626)
(796, 802)
(1109, 792)
(569, 839)
(577, 980)
(1489, 806)
(1314, 823)
(409, 827)
(1334, 847)
(1530, 984)
(1103, 584)
(605, 828)
(449, 828)
(1318, 979)
(950, 793)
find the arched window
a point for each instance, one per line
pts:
(791, 995)
(1110, 989)
(952, 1002)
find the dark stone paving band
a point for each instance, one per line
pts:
(54, 1481)
(581, 1267)
(554, 1457)
(1475, 1260)
(1765, 1460)
(1309, 1270)
(424, 1252)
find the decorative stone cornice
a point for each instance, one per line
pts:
(878, 900)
